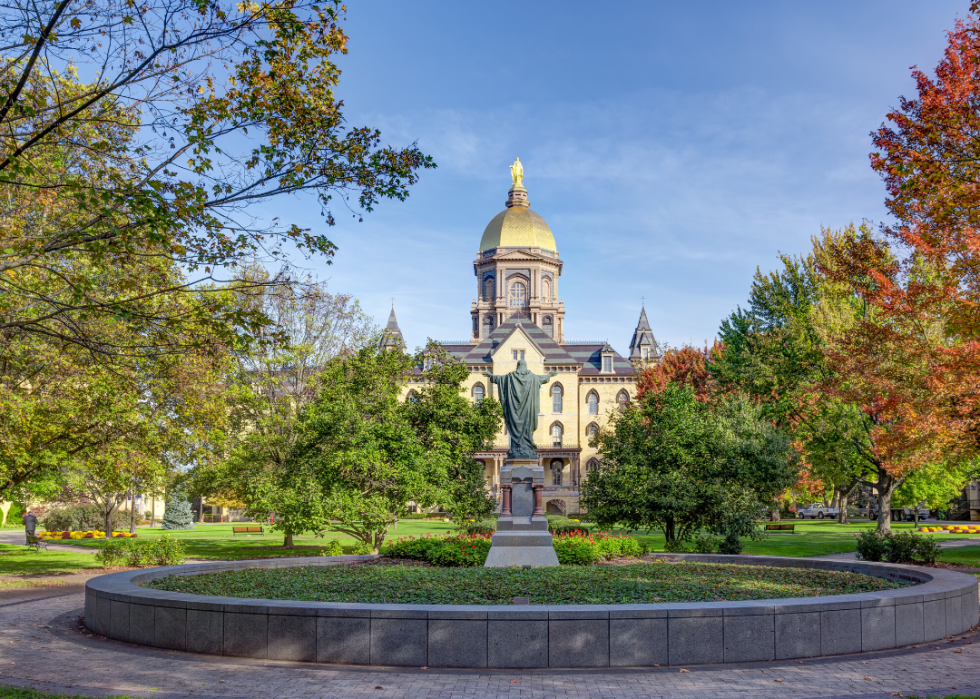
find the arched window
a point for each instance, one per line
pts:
(478, 392)
(413, 397)
(593, 401)
(556, 468)
(488, 289)
(545, 289)
(556, 434)
(556, 399)
(548, 325)
(487, 325)
(592, 466)
(623, 399)
(592, 430)
(518, 295)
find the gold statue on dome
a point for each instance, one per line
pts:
(517, 172)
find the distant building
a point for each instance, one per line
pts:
(518, 314)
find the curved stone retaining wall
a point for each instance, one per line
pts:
(568, 636)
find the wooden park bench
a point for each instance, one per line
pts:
(781, 527)
(247, 530)
(35, 543)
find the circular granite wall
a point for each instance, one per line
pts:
(568, 636)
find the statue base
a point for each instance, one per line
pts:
(522, 538)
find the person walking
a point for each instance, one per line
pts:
(30, 524)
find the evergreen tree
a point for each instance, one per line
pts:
(178, 514)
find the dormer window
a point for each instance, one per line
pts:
(606, 363)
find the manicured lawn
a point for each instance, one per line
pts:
(632, 584)
(217, 542)
(965, 556)
(20, 560)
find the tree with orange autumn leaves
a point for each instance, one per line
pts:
(912, 358)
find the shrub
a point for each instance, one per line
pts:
(617, 545)
(135, 553)
(871, 546)
(703, 543)
(486, 527)
(731, 545)
(360, 549)
(901, 547)
(111, 554)
(411, 548)
(334, 548)
(576, 549)
(166, 551)
(676, 546)
(460, 550)
(82, 518)
(926, 549)
(904, 547)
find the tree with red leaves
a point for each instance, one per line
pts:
(687, 366)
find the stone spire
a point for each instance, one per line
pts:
(643, 346)
(391, 337)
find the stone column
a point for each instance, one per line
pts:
(538, 489)
(505, 505)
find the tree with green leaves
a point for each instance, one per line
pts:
(777, 351)
(681, 465)
(371, 453)
(134, 131)
(273, 381)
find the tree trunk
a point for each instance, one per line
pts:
(835, 501)
(287, 542)
(108, 522)
(886, 487)
(132, 511)
(153, 511)
(669, 530)
(842, 515)
(775, 515)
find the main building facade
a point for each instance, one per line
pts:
(518, 314)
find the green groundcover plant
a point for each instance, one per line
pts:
(629, 584)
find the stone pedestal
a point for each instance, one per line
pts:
(522, 537)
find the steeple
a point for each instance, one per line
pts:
(391, 337)
(643, 346)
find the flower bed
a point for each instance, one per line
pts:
(954, 528)
(55, 535)
(631, 584)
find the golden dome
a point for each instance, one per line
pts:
(517, 227)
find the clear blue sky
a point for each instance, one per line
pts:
(672, 147)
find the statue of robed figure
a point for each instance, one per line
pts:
(520, 396)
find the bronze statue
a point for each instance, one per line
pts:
(520, 396)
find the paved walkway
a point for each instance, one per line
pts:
(41, 645)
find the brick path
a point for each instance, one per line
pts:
(41, 646)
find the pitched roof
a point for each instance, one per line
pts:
(549, 349)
